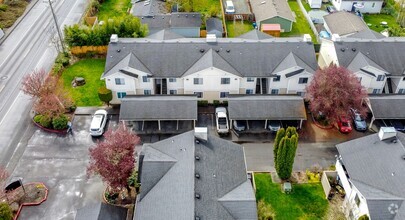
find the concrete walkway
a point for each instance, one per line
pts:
(91, 110)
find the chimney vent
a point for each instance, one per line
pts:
(201, 133)
(387, 133)
(114, 38)
(336, 38)
(211, 38)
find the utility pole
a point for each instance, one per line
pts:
(57, 26)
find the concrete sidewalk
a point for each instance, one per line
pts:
(90, 110)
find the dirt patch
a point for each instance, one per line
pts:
(10, 12)
(335, 209)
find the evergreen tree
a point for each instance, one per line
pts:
(285, 146)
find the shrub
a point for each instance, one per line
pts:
(225, 103)
(63, 58)
(105, 95)
(265, 211)
(60, 122)
(5, 211)
(364, 217)
(202, 103)
(37, 118)
(133, 179)
(57, 68)
(3, 7)
(313, 177)
(45, 121)
(214, 11)
(216, 103)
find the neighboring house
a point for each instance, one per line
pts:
(210, 68)
(194, 175)
(214, 26)
(181, 23)
(273, 12)
(371, 171)
(364, 6)
(148, 8)
(379, 63)
(344, 23)
(315, 3)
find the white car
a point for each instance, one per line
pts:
(229, 8)
(98, 123)
(222, 120)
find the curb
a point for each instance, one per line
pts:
(9, 30)
(320, 126)
(64, 131)
(32, 203)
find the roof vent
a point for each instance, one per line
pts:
(197, 196)
(119, 50)
(201, 133)
(114, 38)
(211, 38)
(217, 50)
(336, 38)
(202, 50)
(263, 2)
(197, 176)
(387, 133)
(403, 157)
(197, 141)
(197, 218)
(354, 49)
(197, 158)
(342, 49)
(228, 50)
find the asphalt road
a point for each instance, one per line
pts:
(27, 48)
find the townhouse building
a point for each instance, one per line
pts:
(379, 63)
(211, 68)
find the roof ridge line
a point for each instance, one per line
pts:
(117, 63)
(141, 62)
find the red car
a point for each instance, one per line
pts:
(343, 124)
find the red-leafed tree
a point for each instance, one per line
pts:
(33, 84)
(333, 91)
(113, 159)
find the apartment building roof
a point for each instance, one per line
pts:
(171, 190)
(175, 57)
(387, 106)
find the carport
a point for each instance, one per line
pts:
(266, 107)
(159, 108)
(385, 107)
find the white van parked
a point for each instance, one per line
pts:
(221, 120)
(229, 8)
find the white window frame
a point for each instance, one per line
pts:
(376, 91)
(225, 81)
(145, 79)
(172, 80)
(173, 92)
(200, 95)
(250, 79)
(249, 93)
(147, 92)
(277, 78)
(121, 95)
(119, 81)
(274, 91)
(223, 95)
(198, 81)
(301, 80)
(380, 78)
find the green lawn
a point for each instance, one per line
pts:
(376, 19)
(306, 6)
(301, 26)
(113, 8)
(204, 6)
(90, 70)
(307, 201)
(238, 29)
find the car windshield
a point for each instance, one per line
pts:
(345, 124)
(222, 121)
(230, 7)
(358, 117)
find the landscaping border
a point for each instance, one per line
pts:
(64, 131)
(321, 126)
(32, 203)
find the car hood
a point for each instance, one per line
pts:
(361, 124)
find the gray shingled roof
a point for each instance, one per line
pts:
(174, 20)
(163, 107)
(153, 8)
(376, 169)
(101, 211)
(172, 58)
(225, 192)
(270, 9)
(164, 34)
(344, 23)
(186, 19)
(362, 63)
(262, 107)
(214, 24)
(388, 106)
(387, 53)
(367, 34)
(255, 35)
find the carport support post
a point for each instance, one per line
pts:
(247, 124)
(265, 124)
(371, 122)
(159, 124)
(143, 124)
(300, 123)
(177, 126)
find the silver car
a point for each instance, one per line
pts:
(274, 125)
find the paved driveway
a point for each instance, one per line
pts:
(60, 162)
(259, 156)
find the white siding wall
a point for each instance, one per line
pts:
(178, 85)
(369, 6)
(129, 87)
(293, 84)
(244, 84)
(357, 210)
(343, 179)
(315, 3)
(400, 84)
(328, 54)
(145, 85)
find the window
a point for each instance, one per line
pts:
(359, 79)
(225, 80)
(172, 80)
(121, 94)
(198, 81)
(249, 91)
(401, 91)
(199, 94)
(302, 94)
(376, 91)
(277, 78)
(173, 92)
(373, 5)
(147, 92)
(274, 91)
(251, 79)
(119, 81)
(357, 200)
(380, 78)
(303, 80)
(145, 79)
(223, 94)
